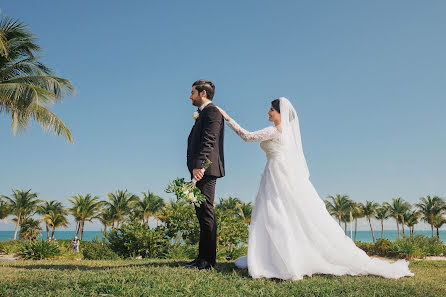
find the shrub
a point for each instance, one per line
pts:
(183, 251)
(231, 230)
(39, 249)
(11, 246)
(366, 247)
(431, 246)
(231, 253)
(181, 222)
(406, 249)
(382, 247)
(137, 239)
(423, 245)
(415, 246)
(3, 249)
(95, 250)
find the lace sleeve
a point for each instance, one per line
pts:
(261, 135)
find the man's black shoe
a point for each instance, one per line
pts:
(192, 266)
(192, 262)
(205, 265)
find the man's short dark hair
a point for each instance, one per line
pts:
(205, 85)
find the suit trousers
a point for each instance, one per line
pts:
(207, 248)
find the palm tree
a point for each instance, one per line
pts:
(22, 204)
(382, 213)
(357, 214)
(346, 218)
(45, 208)
(3, 44)
(245, 212)
(149, 205)
(84, 209)
(430, 207)
(29, 228)
(340, 207)
(405, 217)
(369, 210)
(27, 87)
(56, 219)
(4, 209)
(439, 221)
(120, 204)
(396, 210)
(231, 203)
(411, 220)
(105, 216)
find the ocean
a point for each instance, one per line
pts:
(88, 235)
(365, 236)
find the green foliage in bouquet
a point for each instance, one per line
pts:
(95, 250)
(136, 239)
(39, 249)
(187, 191)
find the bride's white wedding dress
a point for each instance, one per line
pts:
(291, 233)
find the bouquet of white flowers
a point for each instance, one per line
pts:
(187, 190)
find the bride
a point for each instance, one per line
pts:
(291, 233)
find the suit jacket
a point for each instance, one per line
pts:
(205, 141)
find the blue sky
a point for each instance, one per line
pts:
(366, 77)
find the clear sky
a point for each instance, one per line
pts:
(366, 77)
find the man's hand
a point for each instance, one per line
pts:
(198, 174)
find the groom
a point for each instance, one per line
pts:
(206, 142)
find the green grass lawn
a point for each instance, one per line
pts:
(169, 278)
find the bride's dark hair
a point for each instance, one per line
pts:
(276, 105)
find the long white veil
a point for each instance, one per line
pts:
(291, 139)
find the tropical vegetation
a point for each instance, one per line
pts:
(28, 88)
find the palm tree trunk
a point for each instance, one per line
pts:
(52, 233)
(339, 218)
(432, 228)
(81, 233)
(18, 221)
(105, 229)
(382, 229)
(398, 227)
(356, 226)
(438, 234)
(345, 227)
(373, 235)
(47, 231)
(77, 229)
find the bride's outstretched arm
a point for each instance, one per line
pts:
(261, 135)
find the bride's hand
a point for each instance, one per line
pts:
(223, 113)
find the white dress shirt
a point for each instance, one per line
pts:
(204, 105)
